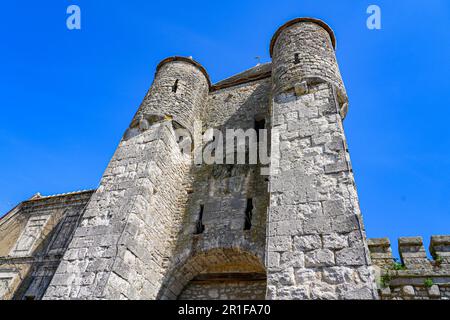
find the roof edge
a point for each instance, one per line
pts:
(248, 75)
(304, 19)
(74, 193)
(187, 60)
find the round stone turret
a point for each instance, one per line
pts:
(179, 92)
(303, 50)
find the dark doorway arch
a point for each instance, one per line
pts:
(223, 274)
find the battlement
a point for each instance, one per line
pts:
(415, 276)
(412, 252)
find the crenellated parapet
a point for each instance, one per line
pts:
(412, 253)
(440, 249)
(381, 252)
(415, 276)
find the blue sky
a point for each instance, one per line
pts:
(67, 96)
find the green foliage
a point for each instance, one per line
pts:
(398, 266)
(384, 281)
(428, 282)
(438, 260)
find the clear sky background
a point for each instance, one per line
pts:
(67, 96)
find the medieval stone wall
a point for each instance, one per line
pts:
(316, 244)
(41, 229)
(127, 233)
(221, 191)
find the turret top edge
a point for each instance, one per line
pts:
(187, 60)
(298, 20)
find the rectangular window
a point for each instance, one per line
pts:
(248, 214)
(175, 86)
(200, 226)
(259, 125)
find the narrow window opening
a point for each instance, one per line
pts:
(213, 152)
(297, 58)
(248, 214)
(259, 124)
(175, 86)
(200, 227)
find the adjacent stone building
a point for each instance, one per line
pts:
(162, 225)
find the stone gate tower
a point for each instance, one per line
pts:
(316, 246)
(161, 226)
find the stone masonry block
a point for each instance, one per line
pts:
(440, 248)
(381, 252)
(286, 228)
(304, 276)
(280, 243)
(345, 223)
(317, 225)
(434, 291)
(319, 258)
(335, 241)
(307, 243)
(337, 275)
(336, 167)
(333, 208)
(412, 252)
(353, 256)
(292, 259)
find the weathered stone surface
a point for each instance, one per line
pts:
(334, 208)
(335, 241)
(353, 256)
(323, 291)
(434, 292)
(338, 275)
(254, 290)
(305, 276)
(285, 278)
(408, 290)
(307, 243)
(294, 259)
(319, 258)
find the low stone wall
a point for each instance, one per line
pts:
(414, 277)
(225, 290)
